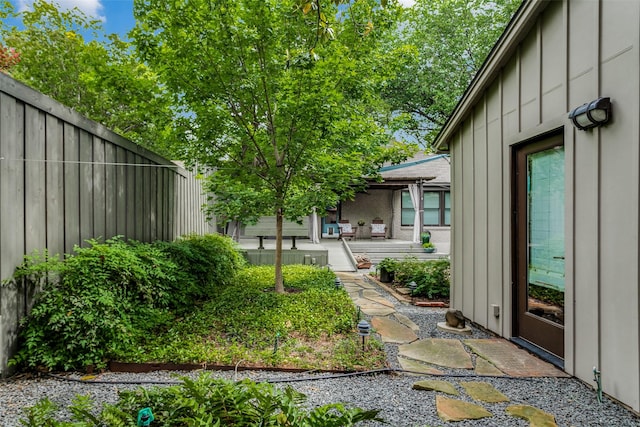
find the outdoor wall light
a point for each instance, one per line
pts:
(591, 114)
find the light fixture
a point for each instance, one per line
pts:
(364, 329)
(412, 286)
(591, 114)
(338, 283)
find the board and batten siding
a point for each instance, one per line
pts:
(65, 179)
(554, 57)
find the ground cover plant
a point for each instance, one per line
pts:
(310, 326)
(202, 402)
(189, 301)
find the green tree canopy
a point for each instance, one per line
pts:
(437, 49)
(100, 78)
(280, 98)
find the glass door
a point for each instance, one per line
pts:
(540, 244)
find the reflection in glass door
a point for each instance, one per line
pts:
(540, 196)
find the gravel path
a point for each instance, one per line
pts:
(572, 402)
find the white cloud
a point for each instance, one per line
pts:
(407, 3)
(91, 8)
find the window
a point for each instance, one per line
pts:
(437, 208)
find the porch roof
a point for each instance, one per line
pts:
(432, 168)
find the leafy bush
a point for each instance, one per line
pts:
(388, 264)
(97, 300)
(108, 297)
(206, 263)
(433, 277)
(206, 402)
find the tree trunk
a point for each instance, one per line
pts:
(278, 261)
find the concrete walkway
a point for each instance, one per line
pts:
(461, 354)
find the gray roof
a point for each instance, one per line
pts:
(434, 168)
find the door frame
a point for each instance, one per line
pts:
(548, 342)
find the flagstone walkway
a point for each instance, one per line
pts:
(460, 357)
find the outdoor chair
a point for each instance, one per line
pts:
(378, 228)
(346, 229)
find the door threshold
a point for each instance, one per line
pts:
(556, 361)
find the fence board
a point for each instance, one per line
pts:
(55, 185)
(86, 187)
(71, 187)
(11, 219)
(121, 189)
(34, 180)
(98, 181)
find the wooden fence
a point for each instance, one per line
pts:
(65, 179)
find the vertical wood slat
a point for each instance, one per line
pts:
(11, 218)
(111, 191)
(86, 188)
(121, 192)
(71, 187)
(55, 186)
(98, 180)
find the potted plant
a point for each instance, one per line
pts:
(425, 237)
(428, 247)
(361, 222)
(386, 269)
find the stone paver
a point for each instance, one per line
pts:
(485, 392)
(376, 309)
(484, 367)
(393, 332)
(512, 360)
(376, 297)
(436, 385)
(417, 368)
(406, 321)
(438, 351)
(458, 410)
(535, 416)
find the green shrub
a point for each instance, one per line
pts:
(433, 277)
(389, 264)
(99, 299)
(206, 402)
(210, 259)
(206, 264)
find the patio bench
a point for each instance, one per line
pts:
(266, 227)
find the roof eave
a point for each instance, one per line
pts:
(519, 26)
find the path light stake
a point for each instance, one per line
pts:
(412, 287)
(364, 329)
(597, 377)
(275, 343)
(338, 283)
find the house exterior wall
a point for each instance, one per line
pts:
(440, 236)
(567, 53)
(367, 206)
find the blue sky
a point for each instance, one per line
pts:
(116, 15)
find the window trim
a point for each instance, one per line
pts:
(441, 207)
